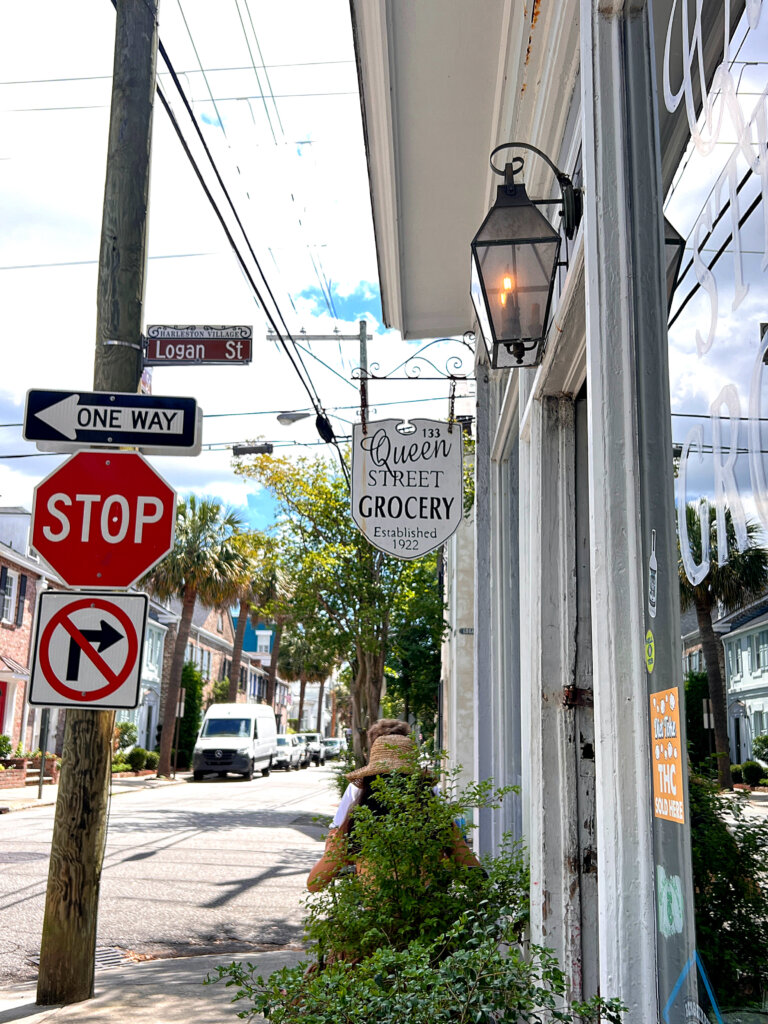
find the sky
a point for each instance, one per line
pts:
(278, 104)
(274, 90)
(723, 363)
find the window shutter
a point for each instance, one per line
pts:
(20, 605)
(3, 583)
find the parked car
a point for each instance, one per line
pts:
(305, 754)
(235, 738)
(289, 752)
(316, 748)
(333, 747)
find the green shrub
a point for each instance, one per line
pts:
(730, 893)
(752, 772)
(416, 937)
(760, 747)
(137, 758)
(6, 746)
(119, 765)
(127, 734)
(153, 759)
(189, 726)
(736, 773)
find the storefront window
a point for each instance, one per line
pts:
(719, 381)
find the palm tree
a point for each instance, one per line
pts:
(248, 594)
(743, 578)
(304, 659)
(206, 562)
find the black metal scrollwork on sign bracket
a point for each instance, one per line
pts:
(412, 368)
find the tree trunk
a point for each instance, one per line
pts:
(237, 650)
(366, 700)
(320, 708)
(302, 691)
(710, 643)
(272, 673)
(174, 681)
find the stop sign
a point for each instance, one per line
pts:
(103, 519)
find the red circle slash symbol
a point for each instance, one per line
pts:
(114, 680)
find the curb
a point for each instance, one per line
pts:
(25, 805)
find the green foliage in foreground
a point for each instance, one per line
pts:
(481, 982)
(731, 893)
(417, 937)
(6, 746)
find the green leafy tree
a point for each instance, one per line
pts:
(699, 738)
(344, 586)
(189, 726)
(206, 563)
(219, 692)
(126, 734)
(247, 594)
(305, 658)
(413, 662)
(760, 747)
(731, 896)
(743, 578)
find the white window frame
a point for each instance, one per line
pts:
(10, 597)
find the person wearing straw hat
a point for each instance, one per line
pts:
(389, 754)
(382, 727)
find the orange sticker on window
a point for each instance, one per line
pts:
(667, 756)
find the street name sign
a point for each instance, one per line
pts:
(88, 650)
(407, 485)
(182, 345)
(68, 420)
(103, 519)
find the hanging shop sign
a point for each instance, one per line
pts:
(407, 484)
(191, 345)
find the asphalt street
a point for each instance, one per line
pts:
(207, 867)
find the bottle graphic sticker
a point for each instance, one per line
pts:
(652, 572)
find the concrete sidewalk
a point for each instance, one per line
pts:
(23, 797)
(150, 992)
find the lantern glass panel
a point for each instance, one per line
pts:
(516, 251)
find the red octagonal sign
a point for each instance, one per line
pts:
(103, 519)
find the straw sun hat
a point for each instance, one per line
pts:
(388, 754)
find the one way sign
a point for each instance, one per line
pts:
(64, 421)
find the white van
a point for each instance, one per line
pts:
(236, 738)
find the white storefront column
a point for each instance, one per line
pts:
(551, 608)
(483, 661)
(630, 453)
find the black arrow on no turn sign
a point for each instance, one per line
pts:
(105, 636)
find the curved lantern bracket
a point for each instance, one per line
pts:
(571, 197)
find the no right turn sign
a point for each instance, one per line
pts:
(88, 650)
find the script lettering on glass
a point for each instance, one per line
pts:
(407, 487)
(722, 121)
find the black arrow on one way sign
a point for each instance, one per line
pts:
(105, 636)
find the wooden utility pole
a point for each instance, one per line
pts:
(72, 900)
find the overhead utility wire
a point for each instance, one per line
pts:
(202, 69)
(320, 274)
(315, 398)
(230, 239)
(324, 428)
(750, 210)
(192, 71)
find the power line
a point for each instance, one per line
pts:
(324, 427)
(214, 100)
(84, 263)
(192, 71)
